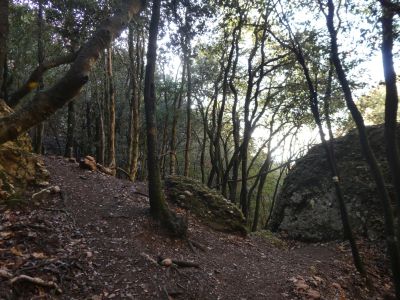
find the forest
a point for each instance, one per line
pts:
(253, 128)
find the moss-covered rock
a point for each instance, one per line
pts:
(207, 204)
(19, 167)
(307, 208)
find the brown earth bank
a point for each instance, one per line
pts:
(96, 240)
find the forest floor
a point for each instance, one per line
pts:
(95, 240)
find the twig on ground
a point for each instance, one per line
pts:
(141, 194)
(191, 246)
(179, 263)
(36, 280)
(123, 171)
(149, 258)
(198, 245)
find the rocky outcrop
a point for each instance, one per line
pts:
(19, 167)
(207, 204)
(307, 208)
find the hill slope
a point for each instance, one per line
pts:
(97, 241)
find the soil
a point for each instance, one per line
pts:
(96, 240)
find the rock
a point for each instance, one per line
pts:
(307, 208)
(88, 163)
(208, 205)
(55, 189)
(19, 167)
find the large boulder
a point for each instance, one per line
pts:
(207, 204)
(307, 207)
(19, 167)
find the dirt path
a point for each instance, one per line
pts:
(116, 240)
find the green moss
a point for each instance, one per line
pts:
(207, 204)
(270, 237)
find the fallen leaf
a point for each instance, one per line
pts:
(16, 252)
(38, 255)
(313, 294)
(6, 234)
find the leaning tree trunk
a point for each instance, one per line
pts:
(158, 205)
(314, 107)
(47, 102)
(3, 39)
(376, 172)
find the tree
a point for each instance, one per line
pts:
(45, 103)
(158, 205)
(392, 244)
(3, 42)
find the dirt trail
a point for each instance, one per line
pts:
(115, 238)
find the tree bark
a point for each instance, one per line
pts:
(158, 205)
(33, 80)
(391, 103)
(134, 105)
(45, 103)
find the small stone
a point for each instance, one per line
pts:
(166, 262)
(55, 189)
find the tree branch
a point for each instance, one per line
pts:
(47, 102)
(33, 80)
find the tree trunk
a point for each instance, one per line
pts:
(158, 205)
(69, 145)
(89, 138)
(263, 178)
(47, 102)
(177, 106)
(367, 150)
(391, 104)
(134, 105)
(188, 111)
(111, 109)
(4, 27)
(281, 172)
(39, 130)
